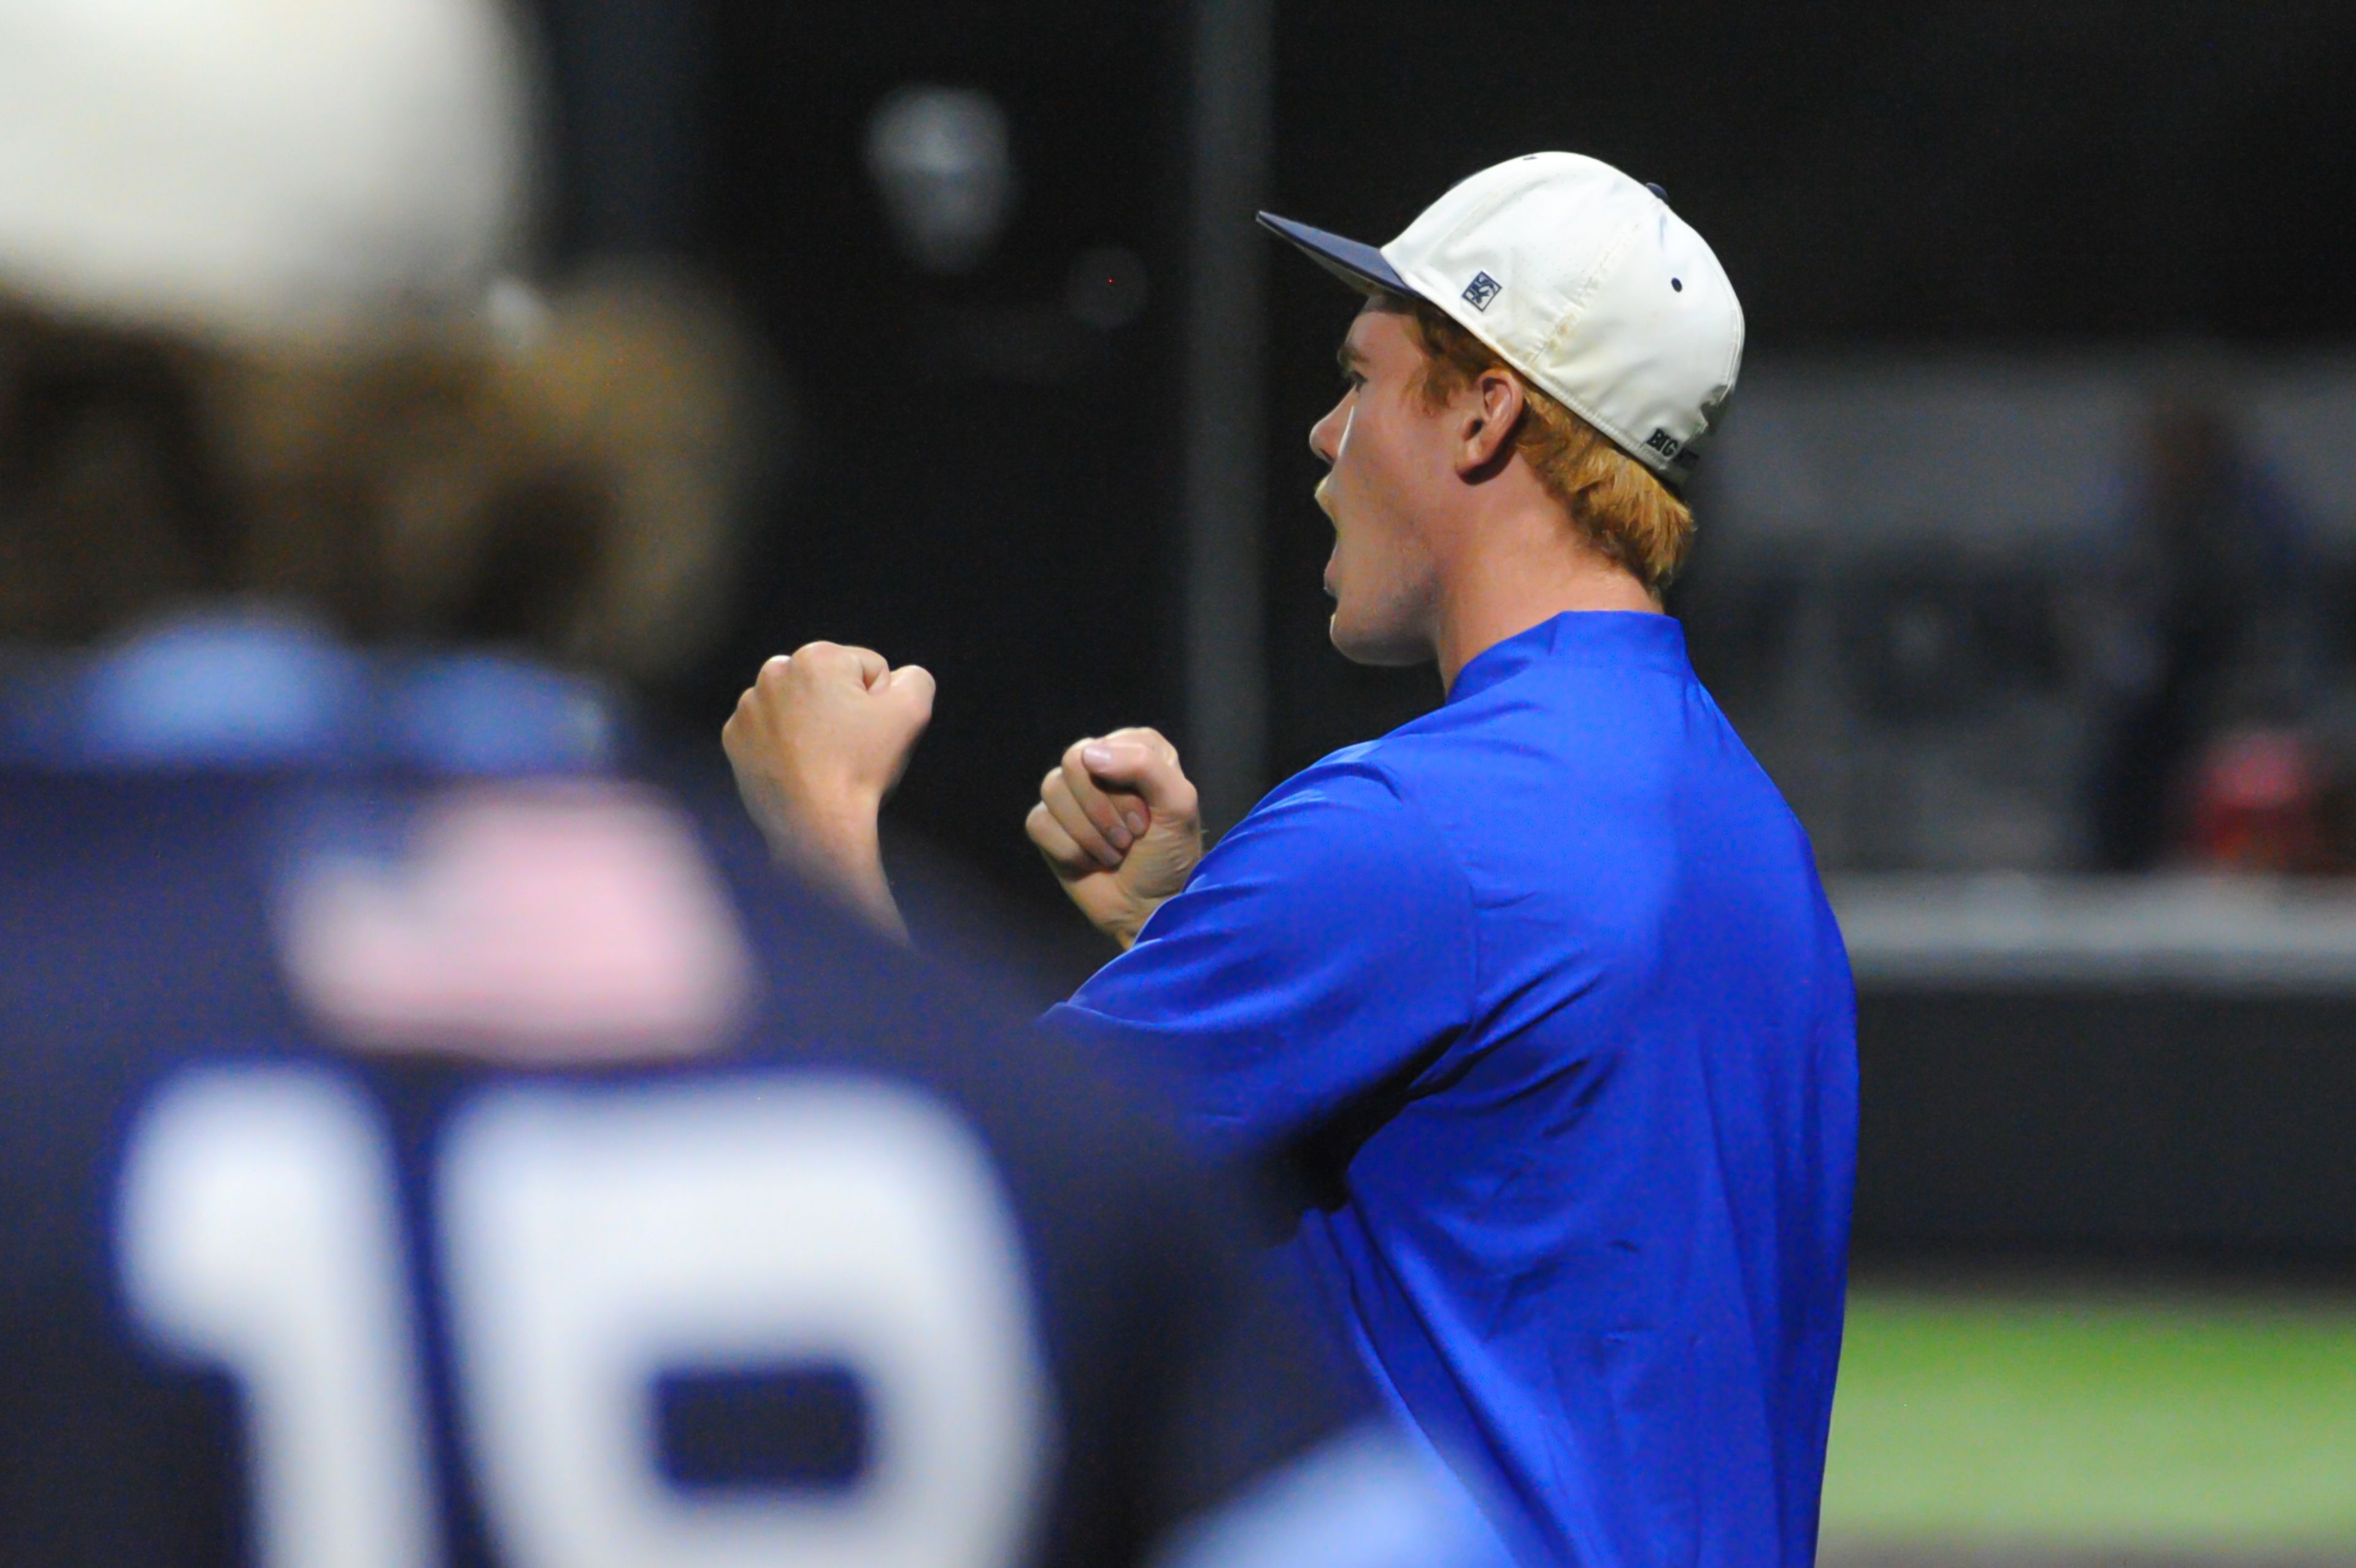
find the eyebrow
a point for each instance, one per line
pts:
(1348, 358)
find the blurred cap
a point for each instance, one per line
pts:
(1583, 281)
(262, 166)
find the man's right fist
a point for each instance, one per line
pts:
(816, 743)
(1120, 825)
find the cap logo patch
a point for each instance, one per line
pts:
(1481, 289)
(1665, 443)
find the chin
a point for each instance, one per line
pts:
(1388, 647)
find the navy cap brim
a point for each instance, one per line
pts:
(1360, 266)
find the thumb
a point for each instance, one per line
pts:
(911, 684)
(1151, 773)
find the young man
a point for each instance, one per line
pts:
(1538, 994)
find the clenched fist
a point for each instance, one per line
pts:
(1120, 825)
(818, 742)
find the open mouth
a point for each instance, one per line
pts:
(1324, 499)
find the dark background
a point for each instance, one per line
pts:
(976, 483)
(972, 481)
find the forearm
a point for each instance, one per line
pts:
(843, 856)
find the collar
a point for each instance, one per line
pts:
(253, 689)
(1611, 639)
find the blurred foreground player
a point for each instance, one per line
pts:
(424, 1144)
(1537, 996)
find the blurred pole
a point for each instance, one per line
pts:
(1226, 673)
(630, 80)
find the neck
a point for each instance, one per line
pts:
(1523, 569)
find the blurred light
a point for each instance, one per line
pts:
(518, 315)
(2257, 803)
(942, 159)
(1106, 288)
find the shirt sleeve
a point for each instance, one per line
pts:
(1322, 949)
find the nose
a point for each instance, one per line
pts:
(1326, 435)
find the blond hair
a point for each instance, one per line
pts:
(1615, 504)
(575, 497)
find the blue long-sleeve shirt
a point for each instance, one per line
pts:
(1543, 990)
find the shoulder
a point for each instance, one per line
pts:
(1342, 834)
(1355, 807)
(1420, 785)
(1355, 778)
(1398, 773)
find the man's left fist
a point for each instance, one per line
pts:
(818, 741)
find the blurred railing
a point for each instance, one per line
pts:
(2108, 1064)
(2235, 935)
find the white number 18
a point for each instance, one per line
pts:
(590, 1239)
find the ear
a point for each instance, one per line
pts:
(1491, 408)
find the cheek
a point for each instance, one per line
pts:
(1359, 465)
(1372, 477)
(1366, 565)
(1388, 447)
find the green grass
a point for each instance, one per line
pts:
(2159, 1422)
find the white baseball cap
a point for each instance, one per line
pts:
(1583, 279)
(257, 166)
